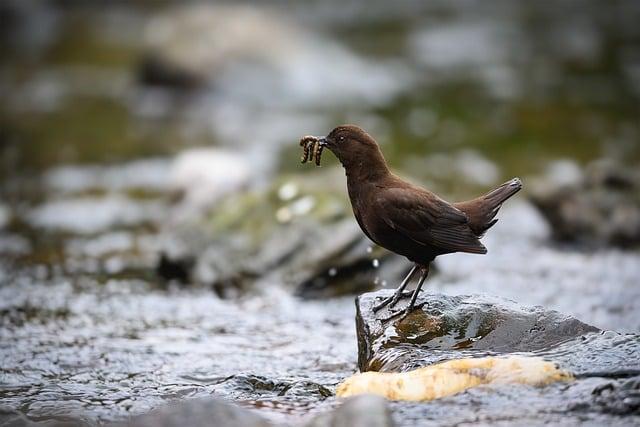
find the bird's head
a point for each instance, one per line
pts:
(352, 146)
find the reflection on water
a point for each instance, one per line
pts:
(96, 102)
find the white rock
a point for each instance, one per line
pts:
(203, 176)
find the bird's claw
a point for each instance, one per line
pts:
(391, 301)
(402, 313)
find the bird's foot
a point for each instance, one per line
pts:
(402, 313)
(391, 301)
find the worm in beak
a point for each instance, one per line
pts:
(312, 147)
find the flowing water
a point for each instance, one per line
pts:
(469, 96)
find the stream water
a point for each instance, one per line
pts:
(88, 328)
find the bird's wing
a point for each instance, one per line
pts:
(426, 219)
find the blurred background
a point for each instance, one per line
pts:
(155, 217)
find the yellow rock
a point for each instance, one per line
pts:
(454, 376)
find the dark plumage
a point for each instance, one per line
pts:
(405, 218)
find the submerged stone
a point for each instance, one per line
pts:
(618, 397)
(454, 376)
(445, 327)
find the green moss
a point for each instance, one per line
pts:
(85, 129)
(254, 214)
(81, 44)
(520, 143)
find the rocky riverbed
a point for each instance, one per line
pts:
(110, 346)
(166, 260)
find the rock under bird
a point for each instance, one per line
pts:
(405, 218)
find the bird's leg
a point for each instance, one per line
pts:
(416, 291)
(393, 299)
(412, 304)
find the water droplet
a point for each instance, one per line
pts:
(376, 263)
(333, 271)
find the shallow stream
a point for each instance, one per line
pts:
(87, 327)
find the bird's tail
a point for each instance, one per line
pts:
(497, 196)
(482, 211)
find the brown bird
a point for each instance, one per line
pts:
(405, 218)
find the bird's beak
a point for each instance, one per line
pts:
(322, 140)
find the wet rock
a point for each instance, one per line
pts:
(337, 259)
(359, 411)
(198, 413)
(619, 397)
(298, 232)
(260, 388)
(200, 177)
(604, 364)
(446, 327)
(600, 208)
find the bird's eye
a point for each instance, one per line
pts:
(341, 138)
